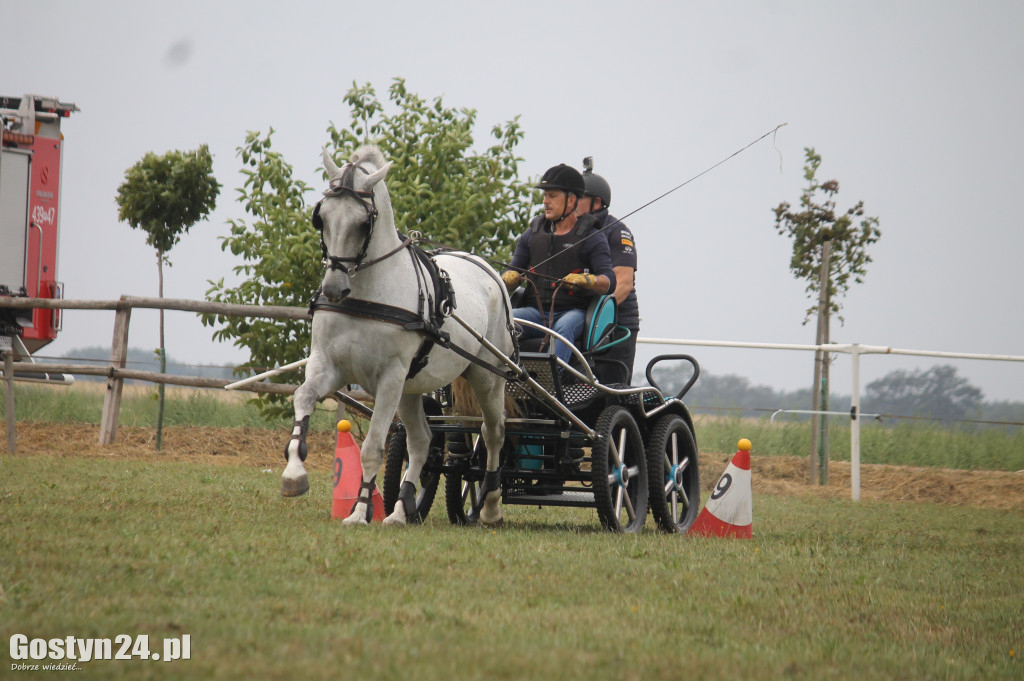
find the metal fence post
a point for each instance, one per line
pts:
(855, 423)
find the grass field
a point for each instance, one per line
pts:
(272, 588)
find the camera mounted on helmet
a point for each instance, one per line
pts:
(595, 185)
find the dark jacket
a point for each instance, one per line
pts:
(552, 257)
(623, 253)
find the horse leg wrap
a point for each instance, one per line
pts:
(492, 483)
(366, 497)
(407, 496)
(302, 426)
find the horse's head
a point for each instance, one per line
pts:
(347, 215)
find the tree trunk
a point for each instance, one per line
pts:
(163, 356)
(825, 388)
(818, 471)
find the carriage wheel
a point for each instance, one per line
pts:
(461, 493)
(430, 476)
(674, 474)
(462, 485)
(619, 470)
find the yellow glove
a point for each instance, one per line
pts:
(512, 279)
(581, 280)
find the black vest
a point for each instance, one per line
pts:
(555, 256)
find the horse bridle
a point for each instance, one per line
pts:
(339, 186)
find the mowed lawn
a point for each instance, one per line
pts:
(272, 588)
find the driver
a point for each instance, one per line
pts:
(564, 268)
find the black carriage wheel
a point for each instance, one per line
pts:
(462, 486)
(394, 471)
(461, 492)
(619, 471)
(464, 480)
(674, 474)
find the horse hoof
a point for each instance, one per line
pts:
(294, 487)
(352, 520)
(395, 519)
(500, 522)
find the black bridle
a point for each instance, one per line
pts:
(338, 187)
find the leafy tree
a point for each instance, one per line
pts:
(165, 196)
(829, 250)
(438, 185)
(814, 225)
(281, 260)
(937, 393)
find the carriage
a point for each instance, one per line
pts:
(571, 441)
(411, 327)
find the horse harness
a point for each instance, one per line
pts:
(434, 306)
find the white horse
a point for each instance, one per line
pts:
(373, 272)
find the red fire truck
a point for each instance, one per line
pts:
(30, 183)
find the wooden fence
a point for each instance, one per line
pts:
(116, 372)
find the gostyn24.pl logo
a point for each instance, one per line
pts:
(66, 653)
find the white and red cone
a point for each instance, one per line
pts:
(348, 476)
(730, 510)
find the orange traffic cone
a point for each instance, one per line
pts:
(729, 511)
(348, 476)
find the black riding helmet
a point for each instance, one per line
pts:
(595, 185)
(563, 177)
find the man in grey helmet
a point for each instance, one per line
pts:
(597, 197)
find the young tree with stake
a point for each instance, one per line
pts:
(165, 196)
(829, 252)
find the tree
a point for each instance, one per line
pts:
(937, 393)
(829, 251)
(165, 196)
(438, 184)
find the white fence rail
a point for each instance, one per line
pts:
(116, 372)
(855, 350)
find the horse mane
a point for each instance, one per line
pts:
(368, 153)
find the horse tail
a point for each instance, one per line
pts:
(464, 400)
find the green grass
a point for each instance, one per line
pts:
(196, 407)
(903, 444)
(271, 588)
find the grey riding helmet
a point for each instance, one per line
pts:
(595, 185)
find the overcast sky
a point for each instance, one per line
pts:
(915, 107)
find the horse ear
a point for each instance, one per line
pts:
(330, 166)
(378, 176)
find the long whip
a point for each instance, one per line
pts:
(676, 188)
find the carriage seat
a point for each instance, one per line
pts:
(600, 328)
(600, 332)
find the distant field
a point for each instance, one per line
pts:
(905, 444)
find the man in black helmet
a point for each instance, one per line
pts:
(562, 267)
(617, 366)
